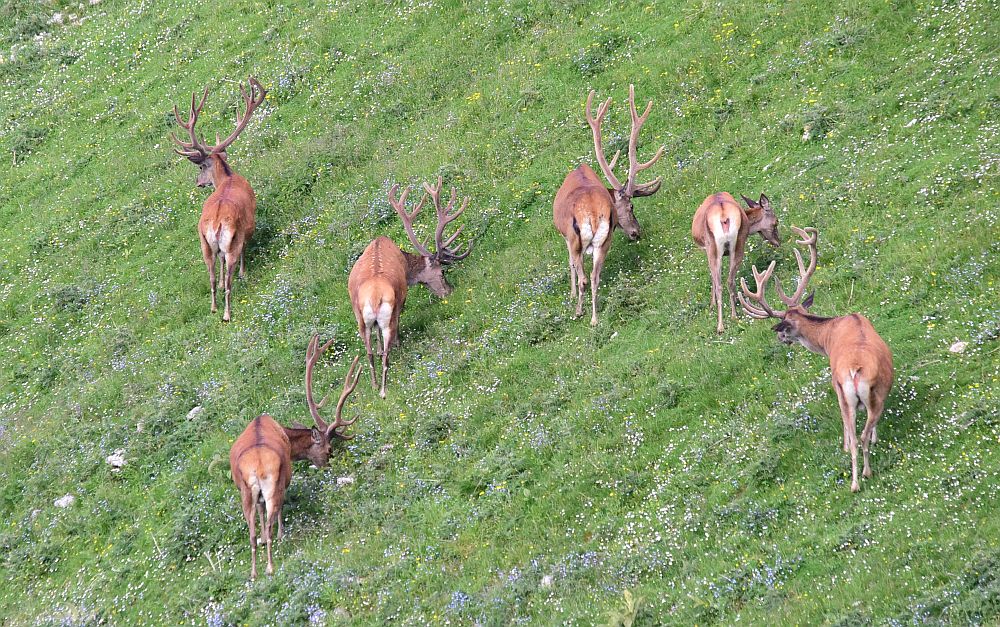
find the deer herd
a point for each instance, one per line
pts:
(586, 211)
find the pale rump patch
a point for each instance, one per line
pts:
(586, 237)
(850, 389)
(724, 232)
(600, 236)
(384, 316)
(368, 315)
(219, 238)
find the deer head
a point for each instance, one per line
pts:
(203, 154)
(324, 433)
(767, 226)
(622, 195)
(431, 269)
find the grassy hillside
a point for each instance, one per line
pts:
(525, 467)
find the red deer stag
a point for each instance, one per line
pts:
(261, 458)
(379, 279)
(721, 227)
(586, 212)
(227, 217)
(860, 362)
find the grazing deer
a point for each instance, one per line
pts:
(860, 362)
(261, 458)
(586, 212)
(379, 279)
(721, 227)
(227, 217)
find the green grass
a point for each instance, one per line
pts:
(525, 467)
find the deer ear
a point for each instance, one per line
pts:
(750, 203)
(765, 202)
(808, 302)
(316, 435)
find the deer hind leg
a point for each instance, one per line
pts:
(874, 406)
(209, 256)
(595, 277)
(268, 491)
(249, 500)
(570, 245)
(848, 397)
(714, 269)
(387, 321)
(243, 271)
(735, 259)
(581, 280)
(366, 319)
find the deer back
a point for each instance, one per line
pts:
(232, 202)
(853, 344)
(380, 273)
(262, 447)
(714, 211)
(581, 197)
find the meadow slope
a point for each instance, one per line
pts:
(525, 467)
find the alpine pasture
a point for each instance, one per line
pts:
(525, 467)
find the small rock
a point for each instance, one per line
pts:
(547, 581)
(195, 412)
(958, 347)
(341, 613)
(116, 460)
(342, 481)
(64, 501)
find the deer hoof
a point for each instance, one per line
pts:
(381, 394)
(867, 473)
(855, 486)
(593, 321)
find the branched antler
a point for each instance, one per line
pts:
(631, 188)
(197, 150)
(334, 429)
(809, 237)
(443, 251)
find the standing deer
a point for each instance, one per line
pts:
(261, 457)
(586, 212)
(379, 279)
(227, 217)
(860, 362)
(721, 227)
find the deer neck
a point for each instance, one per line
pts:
(814, 333)
(414, 265)
(221, 172)
(300, 440)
